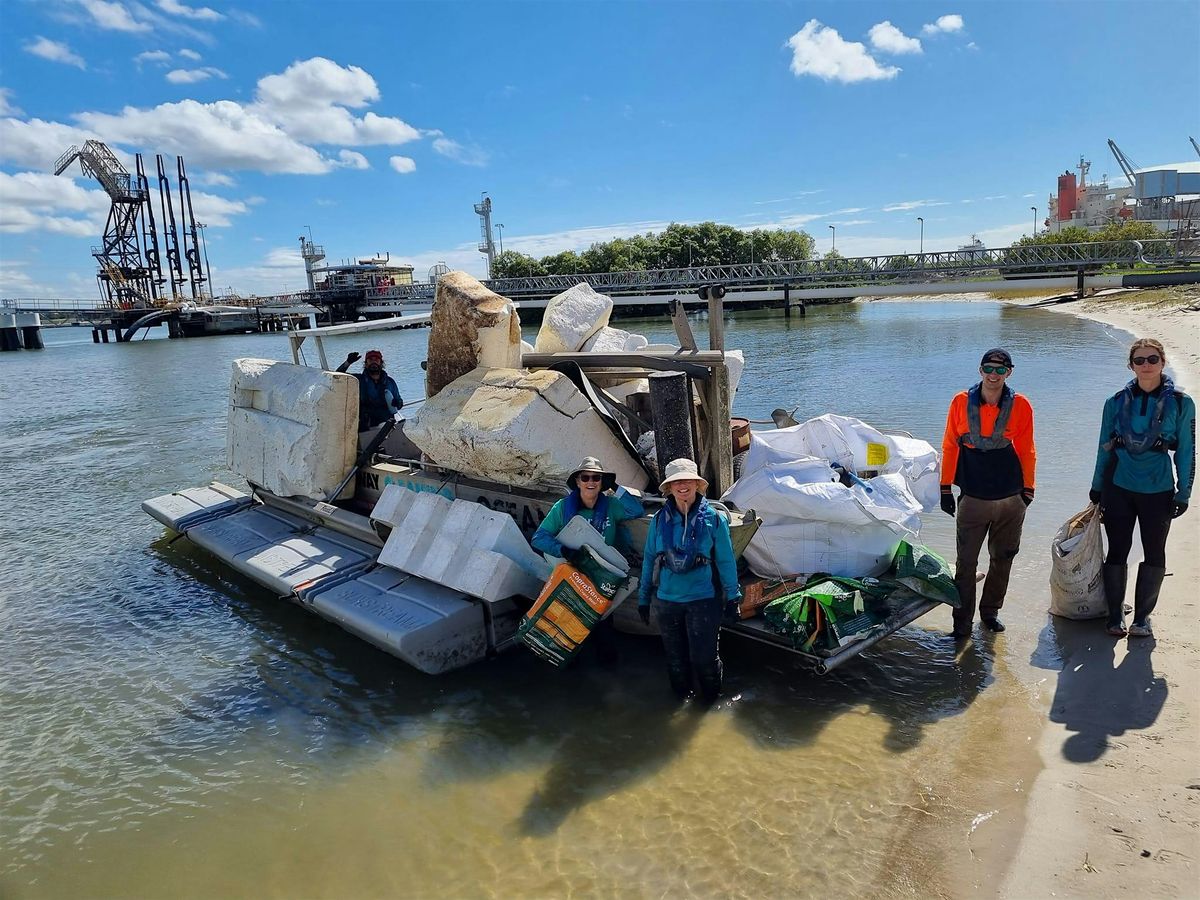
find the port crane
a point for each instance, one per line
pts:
(1122, 160)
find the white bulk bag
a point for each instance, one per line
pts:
(1076, 566)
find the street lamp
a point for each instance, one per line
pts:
(752, 248)
(1034, 208)
(921, 219)
(689, 246)
(500, 230)
(204, 243)
(833, 228)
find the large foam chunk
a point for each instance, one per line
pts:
(471, 326)
(459, 544)
(292, 429)
(571, 318)
(518, 428)
(614, 340)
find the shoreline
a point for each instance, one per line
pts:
(1096, 791)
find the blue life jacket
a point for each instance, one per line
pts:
(1151, 440)
(683, 559)
(572, 503)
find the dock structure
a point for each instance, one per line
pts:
(20, 331)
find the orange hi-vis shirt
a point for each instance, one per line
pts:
(989, 474)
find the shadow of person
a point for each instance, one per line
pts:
(1095, 700)
(592, 762)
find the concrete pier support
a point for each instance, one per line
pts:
(20, 330)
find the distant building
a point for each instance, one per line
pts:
(1166, 196)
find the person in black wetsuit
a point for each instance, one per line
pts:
(378, 395)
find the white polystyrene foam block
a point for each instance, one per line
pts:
(292, 429)
(518, 428)
(735, 362)
(571, 318)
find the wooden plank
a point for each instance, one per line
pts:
(683, 328)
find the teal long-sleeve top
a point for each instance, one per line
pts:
(622, 506)
(1150, 472)
(713, 542)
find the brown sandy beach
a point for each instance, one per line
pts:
(1116, 810)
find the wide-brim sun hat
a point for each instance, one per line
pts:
(682, 470)
(590, 464)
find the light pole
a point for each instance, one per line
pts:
(204, 243)
(500, 231)
(921, 219)
(833, 247)
(1034, 208)
(690, 246)
(752, 248)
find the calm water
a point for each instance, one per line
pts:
(167, 728)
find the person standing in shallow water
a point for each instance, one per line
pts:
(688, 557)
(988, 451)
(1143, 424)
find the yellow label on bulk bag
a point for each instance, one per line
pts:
(877, 455)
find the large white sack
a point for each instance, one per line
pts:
(804, 548)
(1076, 566)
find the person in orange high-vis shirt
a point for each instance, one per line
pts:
(988, 451)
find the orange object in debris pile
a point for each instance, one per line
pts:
(758, 592)
(564, 614)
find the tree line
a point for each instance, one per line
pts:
(676, 247)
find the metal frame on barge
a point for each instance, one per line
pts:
(324, 556)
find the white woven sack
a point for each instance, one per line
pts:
(1076, 564)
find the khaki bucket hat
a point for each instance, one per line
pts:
(682, 470)
(591, 464)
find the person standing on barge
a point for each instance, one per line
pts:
(690, 575)
(592, 493)
(1142, 424)
(378, 394)
(988, 451)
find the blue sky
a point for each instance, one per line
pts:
(379, 125)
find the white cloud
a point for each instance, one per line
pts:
(913, 204)
(887, 37)
(820, 51)
(55, 51)
(944, 25)
(217, 211)
(6, 105)
(113, 16)
(192, 76)
(201, 13)
(451, 149)
(14, 282)
(35, 143)
(972, 46)
(352, 160)
(152, 56)
(215, 179)
(402, 164)
(36, 201)
(190, 54)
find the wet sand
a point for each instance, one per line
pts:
(1116, 810)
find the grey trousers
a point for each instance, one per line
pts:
(1000, 522)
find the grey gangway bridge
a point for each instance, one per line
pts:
(1050, 266)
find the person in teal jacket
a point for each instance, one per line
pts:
(690, 575)
(1144, 425)
(593, 494)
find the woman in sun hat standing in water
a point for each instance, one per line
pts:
(1143, 424)
(690, 575)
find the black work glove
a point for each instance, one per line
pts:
(1027, 496)
(947, 501)
(353, 357)
(733, 612)
(1180, 509)
(644, 612)
(1094, 496)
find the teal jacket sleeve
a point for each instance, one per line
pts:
(723, 557)
(1107, 426)
(644, 584)
(1185, 453)
(546, 537)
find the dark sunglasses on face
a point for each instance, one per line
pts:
(589, 478)
(1153, 359)
(994, 370)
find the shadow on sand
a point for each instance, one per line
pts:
(1098, 699)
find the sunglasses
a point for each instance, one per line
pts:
(1153, 359)
(588, 478)
(995, 370)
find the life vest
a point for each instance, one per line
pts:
(997, 440)
(373, 399)
(681, 560)
(1150, 441)
(573, 503)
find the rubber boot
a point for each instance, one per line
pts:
(1145, 592)
(1115, 578)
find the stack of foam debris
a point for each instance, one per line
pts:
(819, 513)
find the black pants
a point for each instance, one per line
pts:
(1151, 512)
(690, 634)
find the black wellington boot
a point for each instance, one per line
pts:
(1115, 578)
(1145, 593)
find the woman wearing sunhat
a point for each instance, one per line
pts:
(1144, 424)
(690, 575)
(590, 495)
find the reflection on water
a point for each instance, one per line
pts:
(155, 707)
